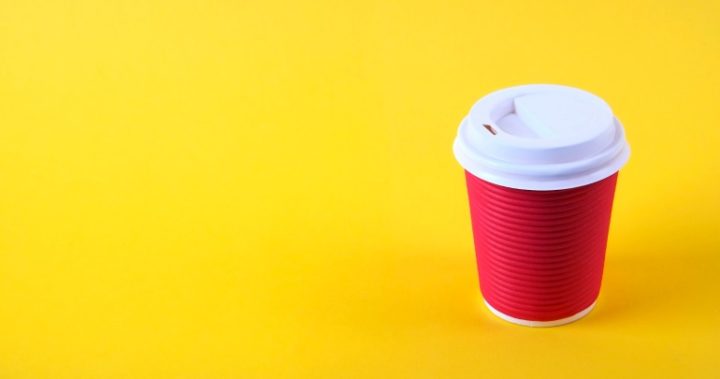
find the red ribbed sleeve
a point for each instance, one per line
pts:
(540, 254)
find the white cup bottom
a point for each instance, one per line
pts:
(540, 324)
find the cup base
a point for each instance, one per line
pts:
(540, 324)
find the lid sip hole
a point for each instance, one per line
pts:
(490, 129)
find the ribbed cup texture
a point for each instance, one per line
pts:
(540, 254)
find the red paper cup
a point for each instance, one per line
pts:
(541, 164)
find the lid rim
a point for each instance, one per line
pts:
(550, 183)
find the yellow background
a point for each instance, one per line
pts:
(257, 189)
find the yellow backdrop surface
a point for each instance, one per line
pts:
(260, 189)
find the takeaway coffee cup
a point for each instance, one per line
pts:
(541, 163)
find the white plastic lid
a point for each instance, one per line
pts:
(541, 137)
